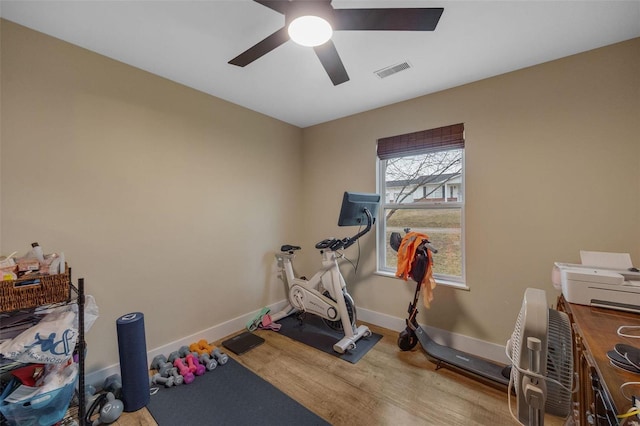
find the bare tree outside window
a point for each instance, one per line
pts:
(430, 171)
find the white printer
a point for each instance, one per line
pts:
(597, 286)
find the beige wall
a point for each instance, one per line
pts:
(168, 201)
(552, 167)
(171, 202)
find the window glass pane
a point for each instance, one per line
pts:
(425, 193)
(442, 225)
(434, 177)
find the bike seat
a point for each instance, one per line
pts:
(288, 247)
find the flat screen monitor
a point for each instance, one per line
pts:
(352, 212)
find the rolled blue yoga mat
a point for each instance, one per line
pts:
(132, 347)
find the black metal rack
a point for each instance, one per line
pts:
(81, 346)
(82, 351)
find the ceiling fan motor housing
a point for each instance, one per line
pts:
(321, 9)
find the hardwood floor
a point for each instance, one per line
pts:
(386, 387)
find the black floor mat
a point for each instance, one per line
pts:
(228, 395)
(315, 333)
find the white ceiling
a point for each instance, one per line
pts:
(190, 42)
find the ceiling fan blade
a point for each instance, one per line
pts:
(265, 46)
(331, 62)
(411, 19)
(277, 5)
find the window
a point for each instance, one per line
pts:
(421, 175)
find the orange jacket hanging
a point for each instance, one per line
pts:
(406, 256)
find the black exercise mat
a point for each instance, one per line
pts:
(315, 333)
(230, 394)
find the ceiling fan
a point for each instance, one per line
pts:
(392, 19)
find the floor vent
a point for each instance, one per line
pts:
(393, 69)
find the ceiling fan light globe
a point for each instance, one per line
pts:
(310, 31)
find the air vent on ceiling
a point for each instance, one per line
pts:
(393, 69)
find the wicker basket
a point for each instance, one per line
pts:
(35, 291)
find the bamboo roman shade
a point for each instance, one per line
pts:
(439, 139)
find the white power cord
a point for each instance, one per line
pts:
(630, 418)
(630, 398)
(630, 327)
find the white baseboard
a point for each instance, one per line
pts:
(96, 378)
(490, 351)
(481, 348)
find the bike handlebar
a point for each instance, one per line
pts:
(428, 245)
(335, 244)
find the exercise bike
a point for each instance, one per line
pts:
(325, 293)
(414, 333)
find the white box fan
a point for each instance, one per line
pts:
(541, 353)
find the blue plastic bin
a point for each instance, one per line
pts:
(44, 409)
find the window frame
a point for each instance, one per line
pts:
(381, 243)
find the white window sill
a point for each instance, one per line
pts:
(439, 281)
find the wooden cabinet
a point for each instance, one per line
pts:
(599, 398)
